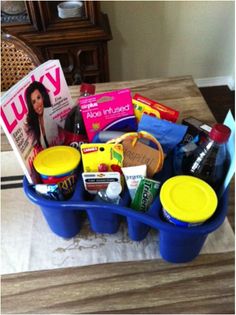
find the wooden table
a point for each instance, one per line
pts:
(205, 285)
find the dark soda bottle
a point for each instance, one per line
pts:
(74, 125)
(210, 160)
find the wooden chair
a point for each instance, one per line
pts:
(17, 60)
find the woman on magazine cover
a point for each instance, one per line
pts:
(39, 123)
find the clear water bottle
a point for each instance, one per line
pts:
(111, 194)
(209, 161)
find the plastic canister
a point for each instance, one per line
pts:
(187, 200)
(58, 165)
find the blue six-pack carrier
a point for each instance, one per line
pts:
(177, 244)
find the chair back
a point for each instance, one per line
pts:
(17, 60)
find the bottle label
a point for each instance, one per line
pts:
(172, 220)
(206, 127)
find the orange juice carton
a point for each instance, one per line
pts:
(108, 111)
(165, 112)
(102, 157)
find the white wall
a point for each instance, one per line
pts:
(170, 38)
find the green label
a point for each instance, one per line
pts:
(145, 194)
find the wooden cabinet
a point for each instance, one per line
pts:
(80, 42)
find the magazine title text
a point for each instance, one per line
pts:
(18, 105)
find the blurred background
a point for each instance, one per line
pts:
(171, 38)
(101, 41)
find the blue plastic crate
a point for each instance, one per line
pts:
(177, 244)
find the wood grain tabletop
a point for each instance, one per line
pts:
(203, 286)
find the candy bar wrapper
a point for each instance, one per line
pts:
(49, 191)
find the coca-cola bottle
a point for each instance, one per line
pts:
(74, 125)
(210, 160)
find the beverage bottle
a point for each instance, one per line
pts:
(74, 125)
(210, 160)
(111, 194)
(85, 90)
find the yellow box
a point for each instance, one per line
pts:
(141, 108)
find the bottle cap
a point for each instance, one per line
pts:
(188, 199)
(113, 190)
(57, 160)
(87, 88)
(220, 133)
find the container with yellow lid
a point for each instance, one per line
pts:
(187, 200)
(58, 165)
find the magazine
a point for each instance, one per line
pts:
(33, 113)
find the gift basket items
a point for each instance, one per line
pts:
(132, 160)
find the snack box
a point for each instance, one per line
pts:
(141, 108)
(165, 112)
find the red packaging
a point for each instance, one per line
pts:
(165, 111)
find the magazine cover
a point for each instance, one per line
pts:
(33, 113)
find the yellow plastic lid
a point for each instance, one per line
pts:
(57, 160)
(188, 199)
